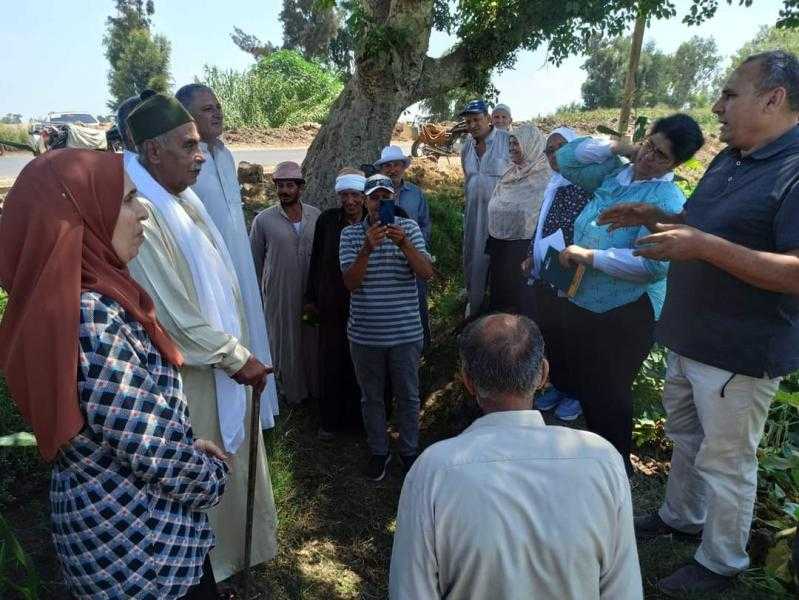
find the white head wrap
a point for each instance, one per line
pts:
(567, 133)
(351, 181)
(556, 181)
(502, 108)
(516, 200)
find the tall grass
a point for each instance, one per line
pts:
(610, 116)
(14, 133)
(280, 89)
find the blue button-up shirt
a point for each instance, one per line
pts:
(413, 202)
(611, 183)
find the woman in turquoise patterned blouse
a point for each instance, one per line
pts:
(621, 294)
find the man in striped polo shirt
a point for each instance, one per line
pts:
(380, 263)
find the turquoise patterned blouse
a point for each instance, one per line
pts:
(611, 184)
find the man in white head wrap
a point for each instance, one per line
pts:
(328, 299)
(501, 117)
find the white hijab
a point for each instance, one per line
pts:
(556, 181)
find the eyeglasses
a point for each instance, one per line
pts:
(649, 146)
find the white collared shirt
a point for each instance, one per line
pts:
(512, 508)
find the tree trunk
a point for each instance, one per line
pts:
(632, 69)
(357, 128)
(392, 71)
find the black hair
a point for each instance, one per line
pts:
(185, 95)
(683, 133)
(778, 68)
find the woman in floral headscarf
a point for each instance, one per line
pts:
(513, 214)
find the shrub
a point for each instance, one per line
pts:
(282, 88)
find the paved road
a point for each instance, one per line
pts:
(11, 163)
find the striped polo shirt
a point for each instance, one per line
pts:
(384, 311)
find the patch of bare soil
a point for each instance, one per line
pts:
(299, 136)
(294, 135)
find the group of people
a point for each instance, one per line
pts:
(183, 317)
(510, 505)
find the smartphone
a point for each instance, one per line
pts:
(387, 210)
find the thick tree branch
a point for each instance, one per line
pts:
(440, 75)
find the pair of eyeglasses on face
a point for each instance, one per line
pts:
(648, 146)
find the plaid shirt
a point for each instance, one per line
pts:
(127, 494)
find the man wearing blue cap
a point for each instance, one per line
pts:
(380, 263)
(485, 158)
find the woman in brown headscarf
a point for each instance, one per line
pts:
(93, 372)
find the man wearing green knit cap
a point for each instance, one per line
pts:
(185, 266)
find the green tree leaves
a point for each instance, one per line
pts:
(674, 79)
(138, 59)
(282, 88)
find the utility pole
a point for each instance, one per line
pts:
(632, 68)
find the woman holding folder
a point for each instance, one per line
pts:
(621, 294)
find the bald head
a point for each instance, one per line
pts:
(503, 363)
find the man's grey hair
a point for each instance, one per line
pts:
(160, 140)
(185, 95)
(778, 68)
(502, 354)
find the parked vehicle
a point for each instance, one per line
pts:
(437, 140)
(66, 130)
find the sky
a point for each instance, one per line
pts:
(53, 60)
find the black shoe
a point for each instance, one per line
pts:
(407, 461)
(378, 465)
(693, 579)
(651, 526)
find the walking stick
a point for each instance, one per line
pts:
(255, 431)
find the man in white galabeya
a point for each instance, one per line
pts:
(218, 189)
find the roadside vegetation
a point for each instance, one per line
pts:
(280, 89)
(17, 134)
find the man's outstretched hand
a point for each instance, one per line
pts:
(674, 242)
(633, 214)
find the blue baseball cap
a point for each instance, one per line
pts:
(475, 107)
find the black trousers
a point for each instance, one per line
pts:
(206, 588)
(507, 291)
(612, 346)
(556, 317)
(340, 397)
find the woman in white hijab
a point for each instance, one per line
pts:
(563, 202)
(513, 214)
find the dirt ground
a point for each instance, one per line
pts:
(294, 136)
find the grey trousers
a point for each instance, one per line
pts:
(715, 419)
(372, 364)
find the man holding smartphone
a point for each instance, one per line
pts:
(380, 259)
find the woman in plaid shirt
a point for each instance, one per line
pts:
(129, 482)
